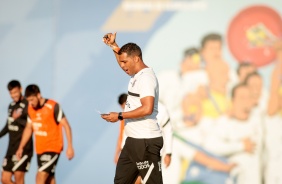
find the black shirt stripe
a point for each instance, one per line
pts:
(133, 94)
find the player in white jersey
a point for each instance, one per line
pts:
(238, 138)
(141, 152)
(175, 84)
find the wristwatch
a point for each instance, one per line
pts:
(120, 116)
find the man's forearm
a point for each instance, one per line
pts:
(68, 134)
(137, 113)
(211, 162)
(25, 137)
(4, 130)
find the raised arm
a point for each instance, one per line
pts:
(273, 103)
(110, 40)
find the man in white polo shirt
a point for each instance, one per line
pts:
(141, 152)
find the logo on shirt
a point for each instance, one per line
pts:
(143, 165)
(127, 104)
(160, 166)
(13, 128)
(38, 116)
(133, 83)
(37, 131)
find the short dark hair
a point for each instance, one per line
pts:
(13, 84)
(255, 73)
(122, 98)
(31, 90)
(190, 51)
(242, 65)
(210, 37)
(131, 49)
(235, 88)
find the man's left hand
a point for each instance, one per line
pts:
(111, 117)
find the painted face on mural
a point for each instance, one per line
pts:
(246, 71)
(190, 63)
(255, 86)
(218, 75)
(242, 103)
(127, 63)
(212, 51)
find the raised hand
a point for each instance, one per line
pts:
(109, 39)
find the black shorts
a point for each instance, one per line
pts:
(140, 157)
(47, 162)
(12, 164)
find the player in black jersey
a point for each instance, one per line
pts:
(17, 118)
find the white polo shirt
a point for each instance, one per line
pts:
(141, 85)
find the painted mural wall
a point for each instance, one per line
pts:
(194, 46)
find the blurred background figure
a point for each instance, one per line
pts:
(174, 84)
(239, 139)
(244, 68)
(273, 124)
(212, 54)
(121, 136)
(16, 122)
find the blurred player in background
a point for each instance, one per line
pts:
(16, 122)
(121, 137)
(45, 119)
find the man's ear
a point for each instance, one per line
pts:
(136, 59)
(39, 95)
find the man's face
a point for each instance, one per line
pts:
(127, 63)
(244, 71)
(189, 63)
(242, 102)
(218, 75)
(16, 94)
(34, 100)
(212, 50)
(255, 85)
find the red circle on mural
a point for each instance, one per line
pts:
(251, 33)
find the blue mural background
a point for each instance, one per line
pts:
(57, 45)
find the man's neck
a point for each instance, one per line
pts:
(42, 101)
(237, 115)
(141, 67)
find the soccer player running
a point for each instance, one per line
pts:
(16, 122)
(45, 119)
(141, 152)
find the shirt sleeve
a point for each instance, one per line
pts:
(166, 128)
(148, 86)
(22, 120)
(28, 120)
(58, 113)
(4, 130)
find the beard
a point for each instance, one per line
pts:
(37, 106)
